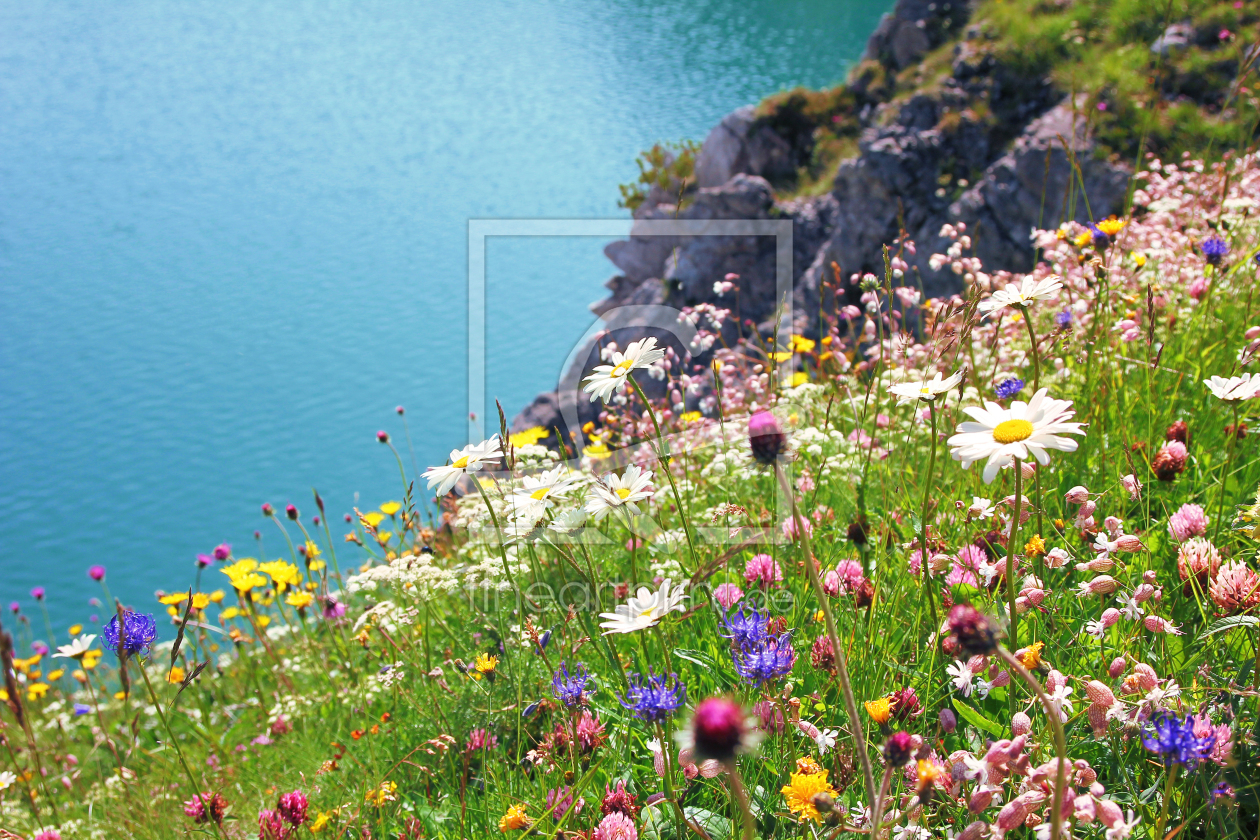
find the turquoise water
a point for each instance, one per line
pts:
(232, 239)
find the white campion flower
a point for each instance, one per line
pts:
(981, 508)
(924, 389)
(76, 648)
(625, 490)
(464, 461)
(644, 609)
(1235, 388)
(1025, 430)
(1123, 828)
(1029, 291)
(606, 380)
(962, 677)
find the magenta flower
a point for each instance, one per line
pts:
(97, 573)
(762, 570)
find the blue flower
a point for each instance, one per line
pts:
(81, 709)
(531, 708)
(770, 659)
(1101, 239)
(138, 632)
(569, 688)
(1173, 739)
(1063, 318)
(1214, 249)
(656, 698)
(745, 629)
(1008, 388)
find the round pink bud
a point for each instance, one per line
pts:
(1100, 694)
(1078, 495)
(1128, 542)
(97, 573)
(1021, 724)
(1110, 616)
(1116, 668)
(382, 436)
(765, 437)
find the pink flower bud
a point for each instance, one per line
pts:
(1143, 593)
(975, 831)
(1054, 681)
(1116, 668)
(1076, 496)
(1110, 616)
(1100, 694)
(1131, 484)
(1112, 524)
(1086, 509)
(1109, 813)
(1098, 720)
(1155, 624)
(1002, 680)
(1011, 816)
(1128, 542)
(1021, 724)
(1147, 679)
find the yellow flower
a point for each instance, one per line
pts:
(597, 450)
(79, 674)
(200, 601)
(176, 675)
(514, 819)
(322, 819)
(76, 629)
(801, 344)
(1030, 657)
(91, 659)
(23, 666)
(171, 600)
(780, 355)
(528, 437)
(806, 765)
(316, 565)
(53, 676)
(248, 581)
(1111, 226)
(486, 664)
(800, 377)
(313, 552)
(1083, 239)
(120, 695)
(1035, 547)
(390, 508)
(820, 616)
(717, 365)
(36, 690)
(264, 620)
(879, 710)
(217, 596)
(373, 518)
(229, 613)
(301, 600)
(384, 537)
(171, 611)
(1139, 259)
(284, 574)
(385, 793)
(800, 793)
(691, 417)
(240, 567)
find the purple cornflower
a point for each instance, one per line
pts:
(1173, 739)
(569, 688)
(1063, 318)
(1214, 249)
(139, 631)
(771, 659)
(333, 609)
(745, 630)
(1008, 388)
(655, 698)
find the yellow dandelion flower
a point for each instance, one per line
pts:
(373, 518)
(801, 344)
(514, 819)
(53, 676)
(880, 710)
(780, 355)
(691, 417)
(316, 565)
(1139, 259)
(217, 596)
(798, 378)
(301, 600)
(1083, 239)
(240, 567)
(528, 437)
(390, 508)
(76, 629)
(36, 690)
(1111, 226)
(248, 581)
(486, 664)
(229, 614)
(1035, 547)
(80, 675)
(312, 552)
(91, 659)
(800, 792)
(200, 601)
(597, 450)
(264, 620)
(1030, 657)
(171, 600)
(176, 675)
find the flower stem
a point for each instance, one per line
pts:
(1163, 809)
(1011, 539)
(1032, 340)
(1060, 743)
(923, 543)
(1229, 459)
(842, 660)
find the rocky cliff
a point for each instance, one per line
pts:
(944, 126)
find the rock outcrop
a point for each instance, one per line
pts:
(981, 145)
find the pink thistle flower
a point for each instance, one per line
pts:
(616, 826)
(1236, 588)
(727, 594)
(762, 569)
(293, 807)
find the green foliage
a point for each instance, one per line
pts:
(667, 166)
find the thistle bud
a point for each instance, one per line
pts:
(765, 437)
(382, 436)
(973, 630)
(898, 748)
(291, 511)
(949, 721)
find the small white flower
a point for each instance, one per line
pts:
(981, 508)
(644, 609)
(1025, 430)
(7, 780)
(974, 768)
(1060, 698)
(1131, 609)
(962, 677)
(76, 648)
(1160, 694)
(1096, 629)
(1029, 291)
(1235, 388)
(983, 687)
(625, 490)
(470, 459)
(1122, 829)
(924, 389)
(606, 380)
(989, 571)
(826, 740)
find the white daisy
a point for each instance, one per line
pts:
(1027, 292)
(75, 649)
(569, 521)
(1023, 431)
(7, 780)
(644, 609)
(470, 459)
(606, 380)
(625, 490)
(546, 485)
(1235, 388)
(925, 389)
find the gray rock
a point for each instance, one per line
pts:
(741, 145)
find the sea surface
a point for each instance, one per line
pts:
(233, 238)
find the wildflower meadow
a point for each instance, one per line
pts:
(966, 567)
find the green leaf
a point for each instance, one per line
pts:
(978, 720)
(1230, 623)
(695, 657)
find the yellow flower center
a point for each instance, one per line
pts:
(623, 368)
(623, 493)
(1012, 431)
(540, 494)
(461, 463)
(925, 390)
